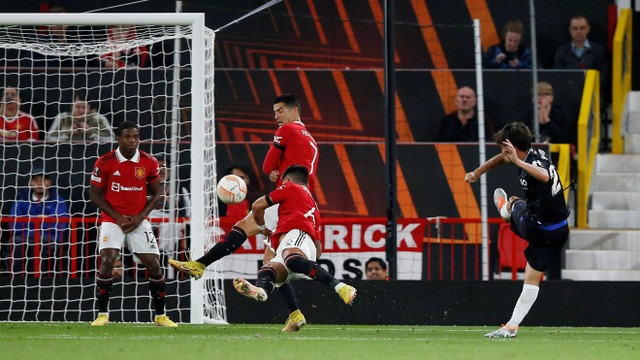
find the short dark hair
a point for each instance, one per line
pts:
(288, 100)
(518, 133)
(383, 264)
(298, 174)
(579, 17)
(126, 125)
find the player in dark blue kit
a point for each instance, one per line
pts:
(540, 219)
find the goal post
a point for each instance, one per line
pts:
(145, 94)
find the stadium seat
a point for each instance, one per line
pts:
(511, 249)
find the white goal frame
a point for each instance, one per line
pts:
(200, 115)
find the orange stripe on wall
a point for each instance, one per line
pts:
(443, 78)
(308, 92)
(252, 86)
(346, 23)
(316, 22)
(478, 9)
(352, 180)
(402, 124)
(347, 100)
(292, 17)
(405, 202)
(274, 81)
(317, 188)
(461, 190)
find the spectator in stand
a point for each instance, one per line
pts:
(376, 269)
(462, 125)
(132, 57)
(509, 54)
(555, 126)
(581, 53)
(40, 201)
(15, 125)
(81, 124)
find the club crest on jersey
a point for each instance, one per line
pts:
(140, 173)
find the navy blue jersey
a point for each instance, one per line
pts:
(545, 201)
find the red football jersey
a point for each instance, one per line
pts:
(24, 124)
(297, 210)
(292, 145)
(125, 181)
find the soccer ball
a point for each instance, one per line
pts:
(231, 189)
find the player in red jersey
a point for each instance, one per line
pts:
(298, 227)
(292, 144)
(120, 182)
(16, 124)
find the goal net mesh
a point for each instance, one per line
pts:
(64, 91)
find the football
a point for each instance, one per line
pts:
(231, 189)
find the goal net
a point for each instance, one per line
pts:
(67, 81)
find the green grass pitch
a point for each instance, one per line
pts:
(50, 341)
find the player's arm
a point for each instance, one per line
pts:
(494, 162)
(96, 193)
(257, 209)
(271, 162)
(538, 173)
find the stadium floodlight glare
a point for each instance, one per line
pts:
(158, 96)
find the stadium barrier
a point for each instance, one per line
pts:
(434, 249)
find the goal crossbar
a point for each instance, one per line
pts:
(102, 19)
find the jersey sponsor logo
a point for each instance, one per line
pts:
(117, 173)
(140, 172)
(116, 187)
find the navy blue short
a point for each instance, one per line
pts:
(544, 239)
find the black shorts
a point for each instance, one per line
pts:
(544, 240)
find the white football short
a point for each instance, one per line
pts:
(271, 217)
(295, 239)
(139, 241)
(270, 221)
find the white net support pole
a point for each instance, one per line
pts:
(481, 150)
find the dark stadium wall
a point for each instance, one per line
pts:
(560, 303)
(426, 177)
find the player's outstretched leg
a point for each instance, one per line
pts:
(193, 268)
(264, 285)
(504, 332)
(501, 201)
(295, 322)
(249, 290)
(231, 242)
(297, 263)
